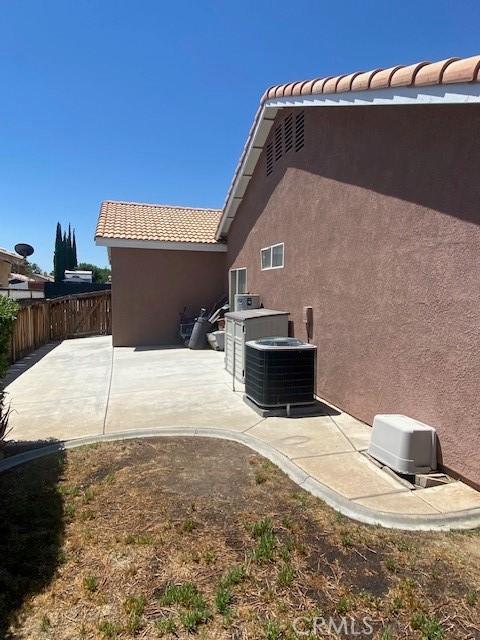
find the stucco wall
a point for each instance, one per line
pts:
(380, 216)
(151, 287)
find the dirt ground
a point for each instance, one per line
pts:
(179, 536)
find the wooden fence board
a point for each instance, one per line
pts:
(84, 314)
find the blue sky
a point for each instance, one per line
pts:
(151, 101)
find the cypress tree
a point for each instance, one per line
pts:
(74, 250)
(69, 248)
(58, 256)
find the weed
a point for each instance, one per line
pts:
(109, 629)
(472, 598)
(109, 478)
(391, 565)
(285, 575)
(188, 596)
(134, 606)
(194, 617)
(260, 477)
(45, 624)
(430, 628)
(69, 511)
(87, 515)
(265, 548)
(343, 604)
(88, 495)
(189, 525)
(387, 634)
(272, 630)
(300, 497)
(70, 491)
(233, 577)
(404, 544)
(223, 599)
(262, 526)
(185, 594)
(165, 626)
(209, 557)
(139, 538)
(396, 605)
(90, 584)
(346, 539)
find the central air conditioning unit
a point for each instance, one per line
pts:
(280, 372)
(245, 302)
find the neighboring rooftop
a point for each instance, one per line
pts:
(10, 256)
(156, 223)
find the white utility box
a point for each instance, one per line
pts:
(405, 445)
(246, 301)
(241, 326)
(216, 340)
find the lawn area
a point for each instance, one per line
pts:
(174, 536)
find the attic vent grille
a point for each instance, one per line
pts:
(288, 132)
(278, 142)
(287, 135)
(269, 158)
(299, 130)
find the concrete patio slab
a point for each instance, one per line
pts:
(84, 391)
(186, 406)
(407, 502)
(301, 437)
(350, 474)
(358, 433)
(455, 496)
(62, 418)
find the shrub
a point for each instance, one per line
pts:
(8, 313)
(4, 414)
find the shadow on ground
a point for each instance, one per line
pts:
(31, 531)
(28, 361)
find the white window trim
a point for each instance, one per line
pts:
(271, 247)
(230, 271)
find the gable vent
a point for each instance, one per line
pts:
(288, 132)
(299, 130)
(269, 156)
(287, 135)
(278, 142)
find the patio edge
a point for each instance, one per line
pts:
(468, 519)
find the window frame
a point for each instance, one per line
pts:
(270, 248)
(231, 295)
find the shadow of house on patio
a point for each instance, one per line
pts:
(32, 526)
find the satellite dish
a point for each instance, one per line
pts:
(24, 250)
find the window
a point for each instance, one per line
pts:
(272, 257)
(238, 284)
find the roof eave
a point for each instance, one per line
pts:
(455, 93)
(133, 243)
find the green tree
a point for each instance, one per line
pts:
(32, 267)
(69, 249)
(99, 274)
(74, 251)
(59, 256)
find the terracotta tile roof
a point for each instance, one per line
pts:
(449, 71)
(157, 222)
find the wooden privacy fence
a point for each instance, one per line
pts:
(84, 314)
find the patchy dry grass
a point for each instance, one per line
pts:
(173, 537)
